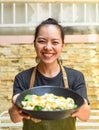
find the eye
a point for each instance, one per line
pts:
(41, 41)
(55, 42)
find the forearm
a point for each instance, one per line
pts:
(83, 112)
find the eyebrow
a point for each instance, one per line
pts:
(40, 37)
(55, 39)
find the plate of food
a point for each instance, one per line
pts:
(49, 102)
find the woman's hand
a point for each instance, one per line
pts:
(84, 112)
(25, 116)
(17, 114)
(35, 120)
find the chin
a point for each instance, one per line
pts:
(48, 62)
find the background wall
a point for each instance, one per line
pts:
(17, 57)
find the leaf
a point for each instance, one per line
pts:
(27, 97)
(38, 108)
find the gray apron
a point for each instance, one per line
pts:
(63, 124)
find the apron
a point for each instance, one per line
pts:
(63, 124)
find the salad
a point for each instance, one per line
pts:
(47, 102)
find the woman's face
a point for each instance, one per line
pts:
(48, 43)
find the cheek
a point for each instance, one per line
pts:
(59, 49)
(38, 49)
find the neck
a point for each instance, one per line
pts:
(49, 70)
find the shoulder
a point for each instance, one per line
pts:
(26, 72)
(76, 78)
(73, 73)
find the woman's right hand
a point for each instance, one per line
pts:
(21, 113)
(17, 114)
(28, 117)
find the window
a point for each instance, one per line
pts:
(18, 15)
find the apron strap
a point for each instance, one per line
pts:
(63, 73)
(33, 77)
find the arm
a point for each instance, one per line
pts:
(19, 85)
(84, 112)
(15, 113)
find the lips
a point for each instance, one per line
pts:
(48, 55)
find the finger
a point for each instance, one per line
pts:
(24, 115)
(74, 115)
(14, 98)
(20, 111)
(35, 120)
(86, 102)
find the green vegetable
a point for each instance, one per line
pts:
(38, 108)
(60, 108)
(75, 106)
(27, 97)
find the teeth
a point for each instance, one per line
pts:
(48, 55)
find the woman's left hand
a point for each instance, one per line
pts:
(84, 112)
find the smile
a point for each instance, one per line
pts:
(48, 55)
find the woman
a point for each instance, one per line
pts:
(48, 43)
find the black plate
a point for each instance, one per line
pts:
(50, 115)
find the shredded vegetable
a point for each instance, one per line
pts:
(47, 102)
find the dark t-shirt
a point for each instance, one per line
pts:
(76, 82)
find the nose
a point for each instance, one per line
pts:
(48, 46)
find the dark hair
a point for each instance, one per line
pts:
(52, 22)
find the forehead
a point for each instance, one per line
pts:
(49, 29)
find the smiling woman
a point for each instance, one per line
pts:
(48, 43)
